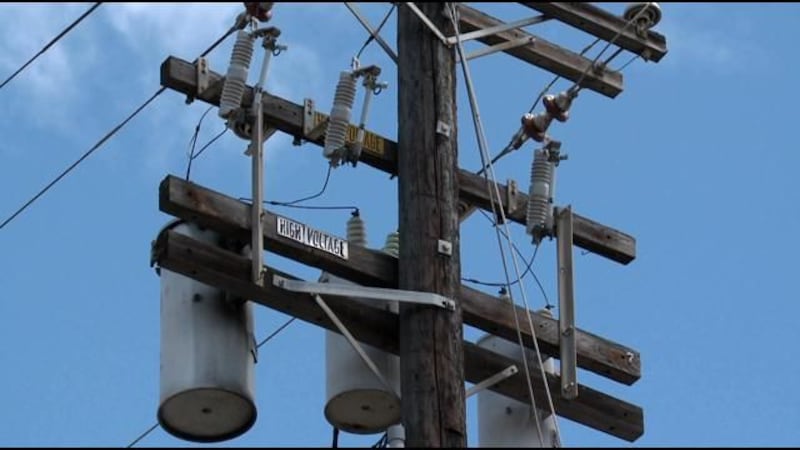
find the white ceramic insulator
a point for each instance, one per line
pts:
(236, 78)
(343, 101)
(540, 196)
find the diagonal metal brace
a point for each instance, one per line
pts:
(354, 343)
(492, 380)
(344, 290)
(428, 22)
(477, 34)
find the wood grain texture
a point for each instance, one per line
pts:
(431, 353)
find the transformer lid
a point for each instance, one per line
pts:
(207, 415)
(363, 411)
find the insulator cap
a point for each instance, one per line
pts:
(260, 10)
(535, 125)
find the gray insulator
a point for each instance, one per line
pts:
(356, 231)
(539, 200)
(233, 89)
(392, 245)
(342, 109)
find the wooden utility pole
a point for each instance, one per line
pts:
(431, 350)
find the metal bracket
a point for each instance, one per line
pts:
(268, 132)
(353, 343)
(492, 380)
(444, 247)
(202, 74)
(514, 43)
(442, 128)
(308, 116)
(477, 34)
(311, 131)
(428, 23)
(511, 196)
(566, 304)
(344, 290)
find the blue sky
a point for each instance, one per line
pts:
(695, 159)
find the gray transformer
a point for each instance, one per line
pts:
(208, 356)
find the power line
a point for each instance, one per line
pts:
(82, 158)
(609, 44)
(50, 44)
(528, 269)
(633, 58)
(377, 30)
(382, 441)
(310, 197)
(143, 435)
(193, 141)
(516, 249)
(510, 147)
(193, 155)
(110, 134)
(275, 333)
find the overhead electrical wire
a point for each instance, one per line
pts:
(510, 147)
(377, 30)
(143, 435)
(50, 44)
(111, 133)
(529, 269)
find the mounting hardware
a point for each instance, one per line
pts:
(202, 74)
(346, 290)
(492, 380)
(442, 128)
(444, 247)
(511, 196)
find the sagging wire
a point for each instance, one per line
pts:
(310, 197)
(529, 269)
(193, 143)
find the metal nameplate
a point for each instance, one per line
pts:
(310, 237)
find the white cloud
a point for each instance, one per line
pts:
(50, 83)
(174, 27)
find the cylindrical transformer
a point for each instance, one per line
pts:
(357, 401)
(207, 356)
(504, 422)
